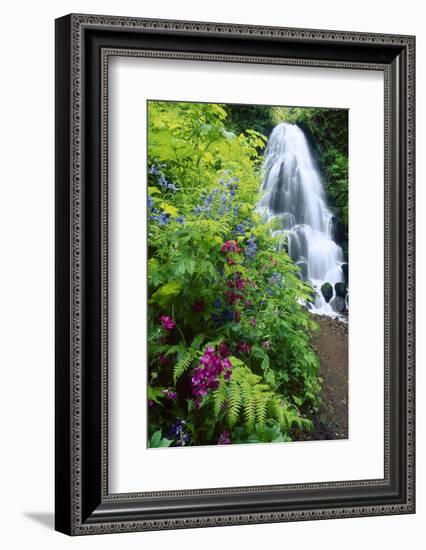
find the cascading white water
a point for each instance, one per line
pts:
(294, 195)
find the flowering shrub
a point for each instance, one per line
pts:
(230, 359)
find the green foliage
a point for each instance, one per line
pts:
(203, 184)
(187, 357)
(157, 440)
(255, 117)
(247, 400)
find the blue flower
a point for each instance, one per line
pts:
(172, 187)
(240, 229)
(179, 432)
(229, 315)
(153, 170)
(276, 279)
(180, 219)
(251, 247)
(217, 303)
(217, 319)
(163, 182)
(150, 202)
(163, 219)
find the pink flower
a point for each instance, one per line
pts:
(167, 322)
(266, 344)
(253, 321)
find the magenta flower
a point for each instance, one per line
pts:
(230, 246)
(232, 297)
(224, 349)
(225, 438)
(237, 282)
(205, 377)
(244, 347)
(253, 321)
(167, 322)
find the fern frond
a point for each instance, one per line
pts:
(189, 356)
(220, 396)
(234, 402)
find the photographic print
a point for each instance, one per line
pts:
(248, 290)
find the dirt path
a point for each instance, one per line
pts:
(331, 345)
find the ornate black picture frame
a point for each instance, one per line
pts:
(84, 44)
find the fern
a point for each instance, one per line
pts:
(188, 357)
(252, 403)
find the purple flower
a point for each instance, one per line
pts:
(244, 347)
(266, 344)
(224, 349)
(253, 321)
(205, 377)
(224, 438)
(170, 394)
(151, 403)
(167, 322)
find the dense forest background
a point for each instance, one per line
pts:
(230, 352)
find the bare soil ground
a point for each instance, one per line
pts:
(331, 345)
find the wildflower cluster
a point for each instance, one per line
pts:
(157, 171)
(179, 433)
(251, 248)
(206, 376)
(219, 201)
(167, 322)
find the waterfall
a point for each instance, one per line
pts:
(294, 197)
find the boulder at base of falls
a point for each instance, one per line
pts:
(338, 304)
(340, 289)
(345, 273)
(327, 291)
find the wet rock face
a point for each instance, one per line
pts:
(345, 273)
(340, 289)
(338, 304)
(303, 270)
(327, 291)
